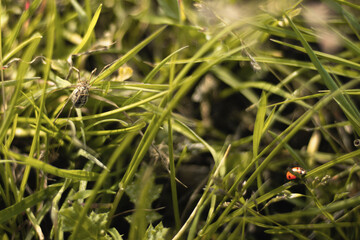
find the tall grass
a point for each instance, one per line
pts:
(196, 112)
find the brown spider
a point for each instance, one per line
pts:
(80, 95)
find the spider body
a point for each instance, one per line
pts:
(80, 95)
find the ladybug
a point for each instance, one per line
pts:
(295, 173)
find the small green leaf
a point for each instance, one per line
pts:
(133, 189)
(89, 31)
(91, 227)
(115, 234)
(157, 233)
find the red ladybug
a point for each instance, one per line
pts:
(295, 173)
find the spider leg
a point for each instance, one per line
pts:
(91, 75)
(57, 115)
(14, 60)
(106, 67)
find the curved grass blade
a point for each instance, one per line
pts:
(150, 76)
(118, 63)
(18, 48)
(88, 32)
(71, 174)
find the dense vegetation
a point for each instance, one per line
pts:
(179, 119)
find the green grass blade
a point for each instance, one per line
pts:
(174, 193)
(114, 157)
(71, 174)
(183, 129)
(89, 31)
(259, 124)
(19, 82)
(283, 138)
(18, 48)
(326, 56)
(150, 76)
(345, 103)
(15, 32)
(30, 201)
(118, 63)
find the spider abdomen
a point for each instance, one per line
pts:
(80, 96)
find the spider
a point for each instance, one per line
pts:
(80, 94)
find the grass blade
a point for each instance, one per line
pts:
(344, 102)
(88, 32)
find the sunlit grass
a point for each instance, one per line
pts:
(196, 112)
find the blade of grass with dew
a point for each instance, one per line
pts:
(345, 103)
(36, 198)
(88, 32)
(71, 174)
(118, 63)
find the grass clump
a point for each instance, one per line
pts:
(196, 112)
